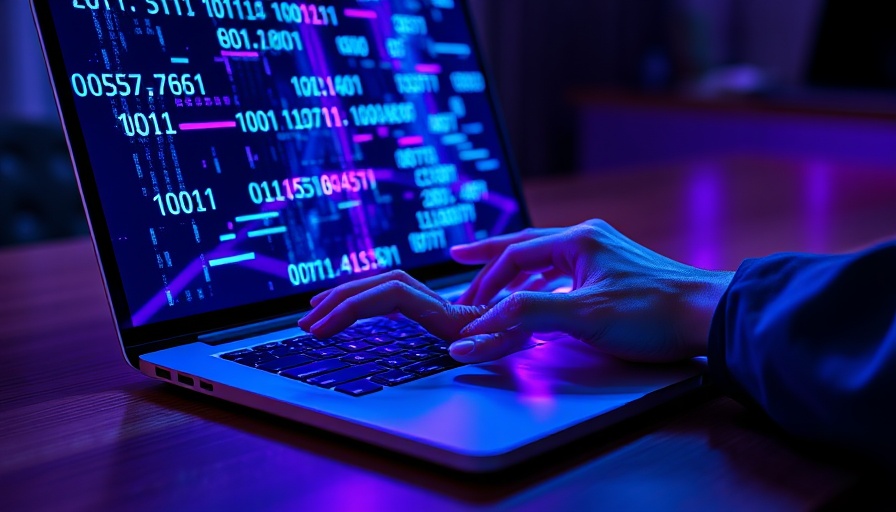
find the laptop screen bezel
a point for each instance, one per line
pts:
(147, 338)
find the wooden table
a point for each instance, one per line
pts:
(79, 430)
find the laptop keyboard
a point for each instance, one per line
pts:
(359, 361)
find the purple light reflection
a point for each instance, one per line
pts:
(704, 208)
(817, 176)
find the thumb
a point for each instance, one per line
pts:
(506, 327)
(529, 311)
(488, 347)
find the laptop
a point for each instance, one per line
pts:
(235, 157)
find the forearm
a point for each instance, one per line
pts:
(812, 341)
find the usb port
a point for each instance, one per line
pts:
(183, 379)
(206, 385)
(163, 373)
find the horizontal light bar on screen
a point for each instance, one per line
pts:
(488, 165)
(211, 125)
(410, 140)
(231, 259)
(473, 128)
(430, 69)
(228, 237)
(454, 138)
(180, 60)
(366, 14)
(451, 48)
(265, 232)
(346, 205)
(257, 216)
(474, 154)
(247, 55)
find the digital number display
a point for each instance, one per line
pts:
(250, 150)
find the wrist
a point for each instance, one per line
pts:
(703, 304)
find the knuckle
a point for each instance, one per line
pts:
(585, 237)
(397, 288)
(597, 223)
(512, 252)
(399, 276)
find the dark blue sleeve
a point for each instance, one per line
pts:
(812, 341)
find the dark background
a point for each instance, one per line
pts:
(586, 86)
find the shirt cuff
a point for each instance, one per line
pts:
(717, 354)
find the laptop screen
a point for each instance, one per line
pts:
(245, 151)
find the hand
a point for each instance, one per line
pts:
(626, 300)
(336, 309)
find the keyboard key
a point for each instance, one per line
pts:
(418, 355)
(328, 380)
(347, 336)
(230, 356)
(285, 363)
(436, 350)
(403, 333)
(389, 323)
(415, 343)
(395, 361)
(359, 388)
(435, 366)
(285, 350)
(379, 339)
(326, 353)
(304, 342)
(266, 347)
(326, 342)
(387, 350)
(354, 346)
(254, 358)
(394, 378)
(314, 369)
(359, 358)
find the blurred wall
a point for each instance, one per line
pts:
(24, 87)
(542, 51)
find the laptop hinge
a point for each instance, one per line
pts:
(245, 331)
(451, 281)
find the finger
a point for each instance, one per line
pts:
(436, 315)
(466, 298)
(521, 282)
(481, 252)
(319, 297)
(367, 283)
(530, 312)
(535, 255)
(488, 347)
(341, 293)
(551, 281)
(537, 282)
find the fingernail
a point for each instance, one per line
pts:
(462, 348)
